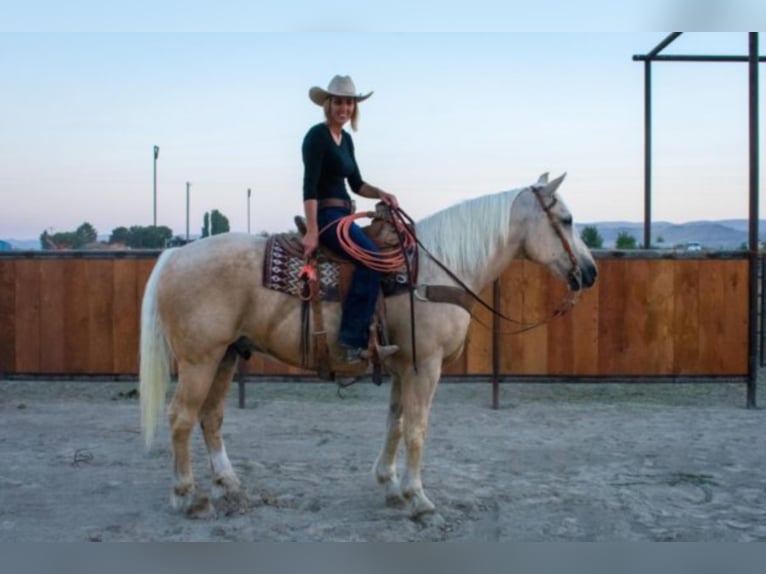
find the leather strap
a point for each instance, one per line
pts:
(450, 294)
(321, 350)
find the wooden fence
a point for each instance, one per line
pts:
(78, 314)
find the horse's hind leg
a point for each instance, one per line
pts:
(226, 486)
(194, 382)
(385, 466)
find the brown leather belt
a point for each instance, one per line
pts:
(335, 202)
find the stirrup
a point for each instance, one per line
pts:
(382, 351)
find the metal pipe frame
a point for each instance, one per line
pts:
(752, 59)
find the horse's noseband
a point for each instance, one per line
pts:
(575, 273)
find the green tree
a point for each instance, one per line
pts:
(149, 237)
(86, 233)
(591, 237)
(219, 223)
(64, 240)
(120, 235)
(46, 243)
(206, 224)
(625, 240)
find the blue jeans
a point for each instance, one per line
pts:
(359, 305)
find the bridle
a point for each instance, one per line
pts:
(574, 272)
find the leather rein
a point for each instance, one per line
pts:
(564, 307)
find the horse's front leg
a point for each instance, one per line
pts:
(417, 394)
(385, 465)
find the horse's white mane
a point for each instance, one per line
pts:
(466, 235)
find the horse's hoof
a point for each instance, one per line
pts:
(421, 507)
(395, 501)
(233, 503)
(225, 486)
(200, 507)
(430, 519)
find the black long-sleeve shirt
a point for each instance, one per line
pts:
(328, 165)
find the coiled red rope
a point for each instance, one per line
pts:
(385, 260)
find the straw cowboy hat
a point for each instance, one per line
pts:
(342, 86)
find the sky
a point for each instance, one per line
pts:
(454, 115)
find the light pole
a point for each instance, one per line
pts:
(248, 210)
(188, 185)
(154, 211)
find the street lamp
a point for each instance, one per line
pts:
(248, 210)
(188, 185)
(156, 155)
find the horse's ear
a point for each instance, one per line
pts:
(543, 179)
(554, 185)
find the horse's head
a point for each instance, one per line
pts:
(551, 239)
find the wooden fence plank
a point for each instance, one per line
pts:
(659, 310)
(585, 341)
(533, 358)
(53, 326)
(511, 305)
(100, 315)
(612, 329)
(634, 356)
(735, 286)
(126, 316)
(77, 317)
(561, 332)
(8, 316)
(478, 358)
(712, 335)
(685, 323)
(28, 315)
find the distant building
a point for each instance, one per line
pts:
(5, 246)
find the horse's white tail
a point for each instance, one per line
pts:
(154, 371)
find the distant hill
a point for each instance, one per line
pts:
(24, 244)
(721, 234)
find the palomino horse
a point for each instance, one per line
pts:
(204, 296)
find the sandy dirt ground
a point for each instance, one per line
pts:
(609, 462)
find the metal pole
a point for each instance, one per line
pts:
(706, 59)
(669, 39)
(188, 185)
(762, 333)
(154, 210)
(496, 346)
(248, 210)
(647, 154)
(752, 374)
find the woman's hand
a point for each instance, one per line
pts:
(310, 243)
(388, 198)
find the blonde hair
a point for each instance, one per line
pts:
(354, 114)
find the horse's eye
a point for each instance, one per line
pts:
(567, 221)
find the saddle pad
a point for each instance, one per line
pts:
(282, 265)
(283, 262)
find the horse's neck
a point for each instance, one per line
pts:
(473, 239)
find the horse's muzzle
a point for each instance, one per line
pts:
(583, 277)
